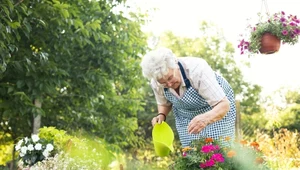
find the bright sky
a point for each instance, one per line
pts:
(184, 16)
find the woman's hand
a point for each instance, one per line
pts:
(197, 124)
(158, 119)
(162, 114)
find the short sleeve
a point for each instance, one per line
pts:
(159, 94)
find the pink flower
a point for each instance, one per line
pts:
(207, 148)
(218, 157)
(210, 163)
(202, 165)
(284, 32)
(184, 154)
(216, 147)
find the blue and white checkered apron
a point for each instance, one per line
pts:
(192, 104)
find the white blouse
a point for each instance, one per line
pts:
(202, 79)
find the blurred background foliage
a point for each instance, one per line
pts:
(74, 65)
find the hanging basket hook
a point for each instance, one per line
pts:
(264, 5)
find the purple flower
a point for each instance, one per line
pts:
(184, 154)
(282, 19)
(241, 43)
(284, 32)
(296, 31)
(293, 24)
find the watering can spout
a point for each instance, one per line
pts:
(163, 138)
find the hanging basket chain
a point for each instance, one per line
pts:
(264, 5)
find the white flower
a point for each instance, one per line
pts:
(18, 146)
(46, 153)
(38, 146)
(30, 147)
(35, 138)
(23, 149)
(21, 154)
(49, 147)
(20, 142)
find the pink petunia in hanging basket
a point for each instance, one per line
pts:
(285, 28)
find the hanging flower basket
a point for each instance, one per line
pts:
(269, 44)
(285, 27)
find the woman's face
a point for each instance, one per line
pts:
(171, 80)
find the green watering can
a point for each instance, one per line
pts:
(163, 138)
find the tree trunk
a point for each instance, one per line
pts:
(37, 118)
(238, 121)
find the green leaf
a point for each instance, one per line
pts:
(104, 37)
(6, 11)
(65, 13)
(14, 25)
(78, 23)
(10, 89)
(20, 83)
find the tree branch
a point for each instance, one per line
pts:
(18, 2)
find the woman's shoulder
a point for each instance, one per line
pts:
(192, 63)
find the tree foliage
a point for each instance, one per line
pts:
(79, 58)
(283, 108)
(289, 118)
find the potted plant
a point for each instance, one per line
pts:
(278, 27)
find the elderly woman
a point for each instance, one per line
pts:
(202, 101)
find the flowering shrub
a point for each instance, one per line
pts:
(285, 27)
(208, 154)
(34, 149)
(281, 148)
(245, 155)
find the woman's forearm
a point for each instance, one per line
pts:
(199, 122)
(218, 111)
(164, 109)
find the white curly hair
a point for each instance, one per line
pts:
(156, 64)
